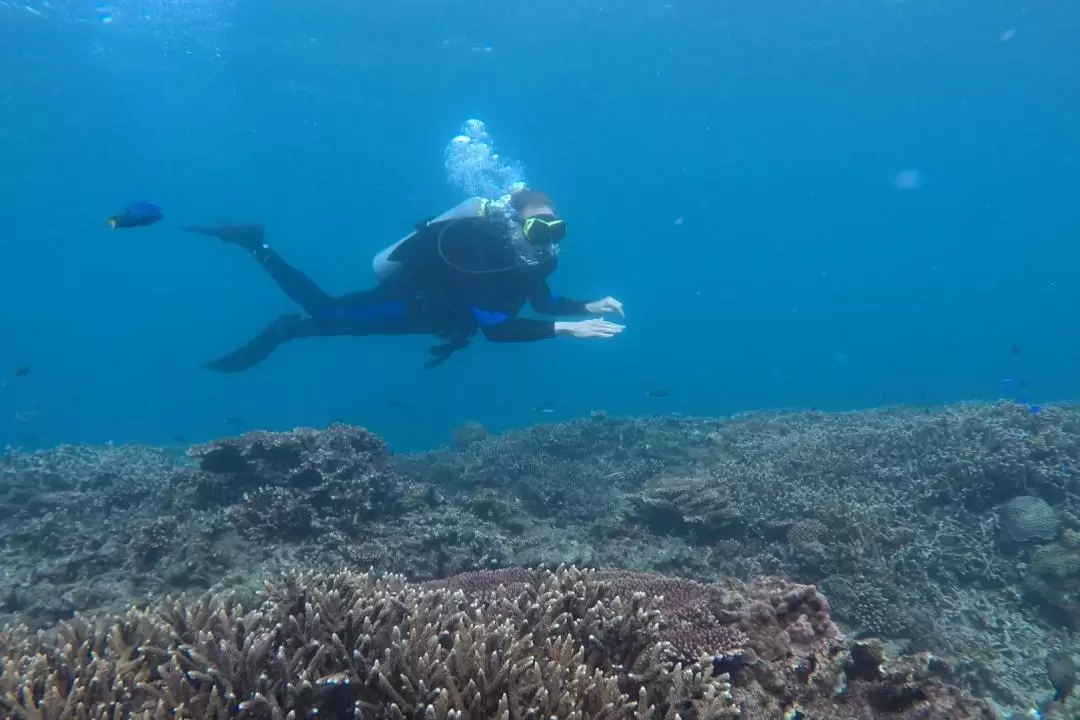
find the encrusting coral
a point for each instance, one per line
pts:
(511, 644)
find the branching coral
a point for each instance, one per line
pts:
(348, 645)
(515, 645)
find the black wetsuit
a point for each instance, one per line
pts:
(456, 278)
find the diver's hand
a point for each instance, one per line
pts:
(588, 329)
(608, 304)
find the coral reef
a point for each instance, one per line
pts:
(908, 520)
(513, 644)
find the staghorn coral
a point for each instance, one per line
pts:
(776, 639)
(690, 623)
(348, 645)
(515, 644)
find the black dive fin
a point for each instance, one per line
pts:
(260, 347)
(247, 235)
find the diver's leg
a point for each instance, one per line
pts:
(379, 311)
(286, 327)
(358, 320)
(299, 287)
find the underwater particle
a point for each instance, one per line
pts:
(104, 12)
(137, 214)
(1008, 35)
(1061, 670)
(679, 221)
(907, 180)
(658, 393)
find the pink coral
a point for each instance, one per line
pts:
(777, 639)
(689, 624)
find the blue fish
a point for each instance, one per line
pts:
(137, 214)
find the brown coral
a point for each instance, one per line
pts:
(689, 622)
(906, 688)
(278, 484)
(696, 506)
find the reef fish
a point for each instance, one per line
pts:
(137, 214)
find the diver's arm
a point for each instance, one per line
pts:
(503, 327)
(520, 330)
(514, 329)
(544, 301)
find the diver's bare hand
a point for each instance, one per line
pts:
(608, 304)
(599, 328)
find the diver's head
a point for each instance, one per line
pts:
(538, 217)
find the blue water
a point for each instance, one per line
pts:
(819, 204)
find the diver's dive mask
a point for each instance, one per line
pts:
(544, 229)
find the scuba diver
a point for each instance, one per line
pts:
(469, 270)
